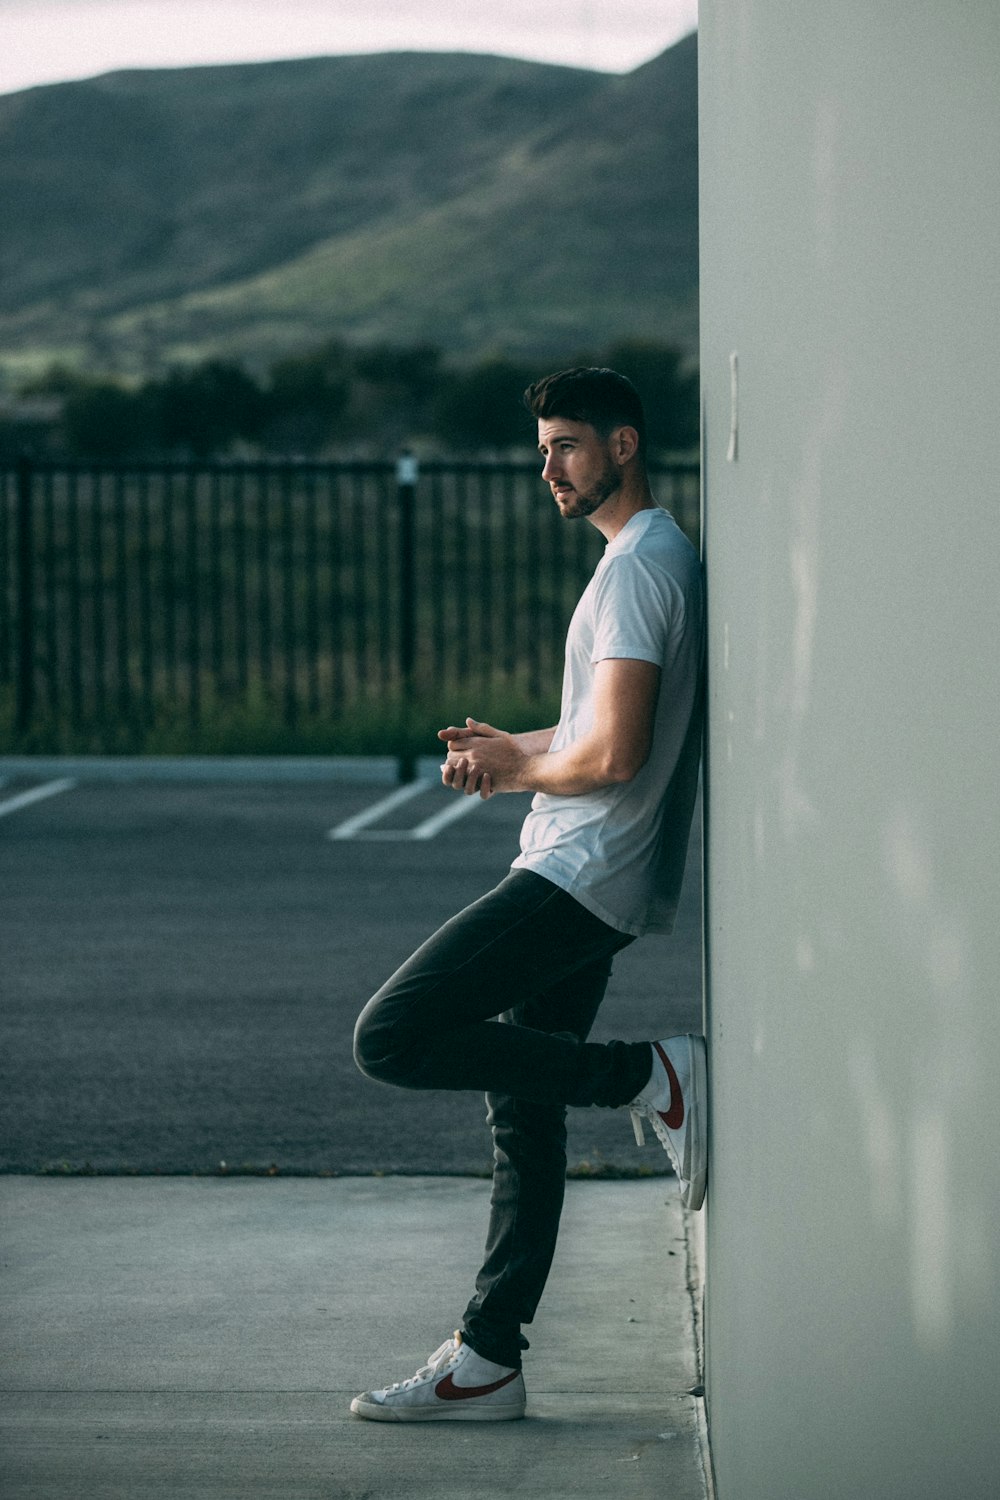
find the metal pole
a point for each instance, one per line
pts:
(25, 699)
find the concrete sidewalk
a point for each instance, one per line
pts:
(203, 1337)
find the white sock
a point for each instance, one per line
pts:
(484, 1370)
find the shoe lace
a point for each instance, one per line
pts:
(435, 1364)
(640, 1135)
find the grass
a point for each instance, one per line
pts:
(254, 725)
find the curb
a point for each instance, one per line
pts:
(377, 770)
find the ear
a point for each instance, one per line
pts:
(624, 443)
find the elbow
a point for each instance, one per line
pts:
(624, 765)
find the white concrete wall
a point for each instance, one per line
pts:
(851, 258)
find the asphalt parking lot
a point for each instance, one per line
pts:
(183, 962)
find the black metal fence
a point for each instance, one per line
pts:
(270, 606)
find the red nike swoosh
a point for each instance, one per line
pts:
(447, 1390)
(674, 1117)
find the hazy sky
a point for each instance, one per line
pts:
(46, 41)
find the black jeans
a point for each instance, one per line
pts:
(502, 999)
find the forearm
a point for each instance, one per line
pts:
(587, 765)
(534, 741)
(487, 760)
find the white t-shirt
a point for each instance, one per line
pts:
(620, 851)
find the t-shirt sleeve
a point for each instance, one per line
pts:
(634, 612)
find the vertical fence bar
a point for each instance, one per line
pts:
(75, 621)
(407, 474)
(264, 577)
(312, 594)
(532, 611)
(241, 607)
(486, 510)
(460, 522)
(360, 600)
(434, 601)
(558, 536)
(145, 584)
(97, 599)
(169, 590)
(508, 575)
(51, 595)
(335, 549)
(25, 701)
(193, 591)
(288, 598)
(215, 573)
(383, 584)
(121, 597)
(6, 644)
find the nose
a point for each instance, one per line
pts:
(551, 469)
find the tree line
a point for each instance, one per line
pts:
(333, 401)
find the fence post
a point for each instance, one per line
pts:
(25, 692)
(407, 473)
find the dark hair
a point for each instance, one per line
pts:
(602, 398)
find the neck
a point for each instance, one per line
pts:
(632, 496)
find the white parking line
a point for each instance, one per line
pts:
(359, 826)
(351, 827)
(434, 825)
(35, 794)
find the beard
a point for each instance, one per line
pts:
(580, 503)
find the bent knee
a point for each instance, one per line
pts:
(367, 1048)
(376, 1055)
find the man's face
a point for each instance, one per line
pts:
(579, 468)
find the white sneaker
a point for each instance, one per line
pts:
(675, 1101)
(455, 1385)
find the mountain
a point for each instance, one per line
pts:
(479, 203)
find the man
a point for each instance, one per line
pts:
(503, 997)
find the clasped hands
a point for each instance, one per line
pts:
(481, 759)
